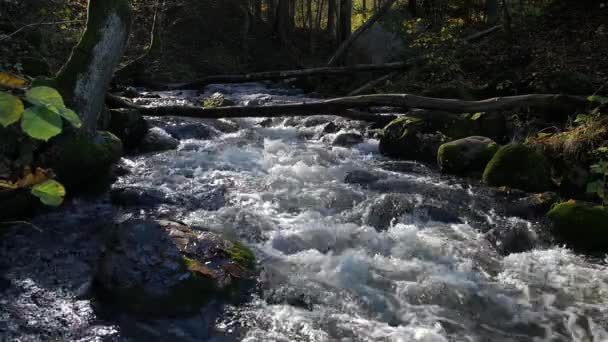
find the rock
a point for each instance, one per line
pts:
(384, 209)
(418, 135)
(518, 166)
(582, 225)
(217, 100)
(16, 204)
(131, 93)
(330, 127)
(532, 206)
(157, 140)
(165, 269)
(81, 162)
(347, 139)
(360, 177)
(129, 126)
(194, 130)
(466, 156)
(138, 196)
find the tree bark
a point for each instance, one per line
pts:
(492, 11)
(285, 74)
(84, 79)
(345, 20)
(338, 106)
(331, 19)
(341, 51)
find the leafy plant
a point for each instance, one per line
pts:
(41, 112)
(598, 187)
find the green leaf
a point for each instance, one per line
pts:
(476, 116)
(11, 108)
(595, 187)
(50, 193)
(44, 96)
(70, 116)
(543, 135)
(41, 123)
(600, 99)
(581, 118)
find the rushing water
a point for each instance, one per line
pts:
(337, 266)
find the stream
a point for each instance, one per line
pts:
(351, 246)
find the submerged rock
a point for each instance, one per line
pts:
(466, 156)
(361, 177)
(520, 167)
(129, 126)
(532, 205)
(582, 225)
(386, 208)
(164, 268)
(194, 130)
(347, 139)
(157, 140)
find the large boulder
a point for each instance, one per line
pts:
(81, 161)
(582, 225)
(419, 134)
(518, 166)
(129, 126)
(466, 156)
(157, 140)
(158, 268)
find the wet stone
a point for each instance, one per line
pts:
(164, 268)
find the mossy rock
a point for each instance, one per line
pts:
(419, 134)
(466, 156)
(81, 162)
(405, 138)
(160, 268)
(217, 100)
(582, 225)
(518, 166)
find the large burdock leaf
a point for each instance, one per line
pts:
(11, 109)
(11, 81)
(44, 96)
(52, 100)
(41, 123)
(50, 193)
(70, 116)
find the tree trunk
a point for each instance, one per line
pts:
(285, 74)
(311, 35)
(412, 6)
(85, 78)
(492, 11)
(338, 105)
(345, 24)
(281, 20)
(331, 19)
(337, 56)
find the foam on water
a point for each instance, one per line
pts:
(328, 277)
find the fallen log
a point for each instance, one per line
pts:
(481, 34)
(339, 106)
(285, 74)
(371, 84)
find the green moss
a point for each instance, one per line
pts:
(583, 225)
(518, 166)
(78, 159)
(457, 158)
(242, 255)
